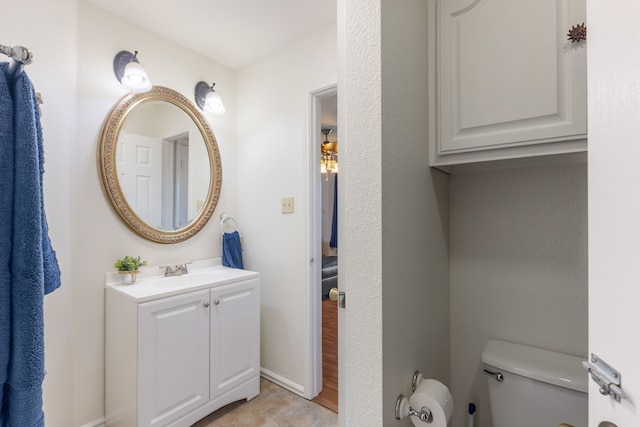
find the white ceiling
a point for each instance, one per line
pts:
(234, 33)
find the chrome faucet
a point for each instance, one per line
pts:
(179, 270)
(182, 269)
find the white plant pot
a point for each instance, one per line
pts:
(128, 277)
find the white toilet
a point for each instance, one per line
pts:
(531, 387)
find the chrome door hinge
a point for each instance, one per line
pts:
(607, 378)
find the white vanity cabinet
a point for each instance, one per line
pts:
(172, 360)
(235, 315)
(509, 82)
(173, 357)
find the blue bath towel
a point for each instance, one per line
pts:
(232, 250)
(6, 211)
(27, 259)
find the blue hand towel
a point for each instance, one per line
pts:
(32, 266)
(232, 250)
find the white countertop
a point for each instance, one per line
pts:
(151, 283)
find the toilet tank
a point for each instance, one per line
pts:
(539, 387)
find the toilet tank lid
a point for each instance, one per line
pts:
(543, 365)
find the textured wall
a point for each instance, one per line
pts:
(394, 258)
(518, 268)
(359, 115)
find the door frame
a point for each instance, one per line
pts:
(313, 337)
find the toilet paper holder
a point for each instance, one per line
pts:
(403, 409)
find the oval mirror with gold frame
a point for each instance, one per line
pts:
(160, 165)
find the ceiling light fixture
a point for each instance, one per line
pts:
(130, 73)
(329, 159)
(208, 100)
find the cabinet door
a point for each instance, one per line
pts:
(173, 357)
(235, 335)
(509, 77)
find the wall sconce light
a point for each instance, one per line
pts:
(208, 100)
(130, 73)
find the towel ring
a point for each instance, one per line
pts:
(223, 219)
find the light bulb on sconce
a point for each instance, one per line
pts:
(130, 73)
(208, 100)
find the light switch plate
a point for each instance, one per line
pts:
(287, 205)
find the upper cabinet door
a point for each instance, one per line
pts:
(510, 83)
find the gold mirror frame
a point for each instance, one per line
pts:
(107, 163)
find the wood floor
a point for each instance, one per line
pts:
(328, 397)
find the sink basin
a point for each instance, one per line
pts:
(189, 279)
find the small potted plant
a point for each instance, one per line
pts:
(128, 268)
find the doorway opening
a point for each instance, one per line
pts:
(175, 182)
(323, 226)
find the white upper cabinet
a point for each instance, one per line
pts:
(509, 82)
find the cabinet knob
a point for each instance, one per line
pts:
(216, 301)
(206, 304)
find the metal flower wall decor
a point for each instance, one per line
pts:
(577, 33)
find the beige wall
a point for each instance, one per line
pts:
(74, 46)
(518, 269)
(415, 219)
(98, 236)
(273, 150)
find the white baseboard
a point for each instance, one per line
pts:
(283, 382)
(100, 422)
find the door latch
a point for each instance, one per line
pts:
(336, 295)
(607, 378)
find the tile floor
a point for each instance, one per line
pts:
(274, 407)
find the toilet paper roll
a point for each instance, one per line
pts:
(434, 395)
